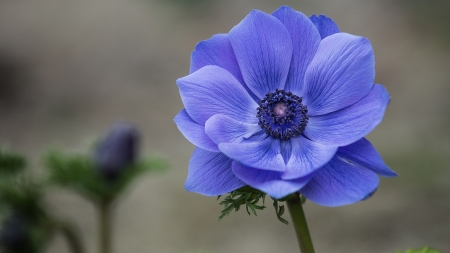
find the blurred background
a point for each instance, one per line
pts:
(69, 69)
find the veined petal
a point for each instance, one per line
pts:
(305, 41)
(307, 156)
(350, 124)
(223, 129)
(194, 132)
(341, 73)
(263, 49)
(340, 183)
(265, 154)
(364, 154)
(217, 51)
(213, 90)
(210, 174)
(324, 25)
(269, 182)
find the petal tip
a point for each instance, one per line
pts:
(188, 187)
(284, 8)
(370, 194)
(391, 173)
(325, 25)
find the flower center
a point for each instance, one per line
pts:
(280, 109)
(282, 115)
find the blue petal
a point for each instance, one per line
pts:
(213, 90)
(217, 51)
(364, 154)
(210, 174)
(269, 182)
(263, 49)
(265, 154)
(341, 73)
(348, 125)
(194, 132)
(223, 129)
(307, 156)
(325, 25)
(340, 183)
(305, 41)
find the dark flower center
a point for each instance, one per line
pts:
(282, 115)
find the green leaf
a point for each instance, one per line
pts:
(422, 250)
(243, 196)
(250, 198)
(279, 210)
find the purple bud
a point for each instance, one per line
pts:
(13, 234)
(117, 150)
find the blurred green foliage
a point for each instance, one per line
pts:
(11, 163)
(80, 174)
(22, 206)
(422, 250)
(22, 196)
(17, 190)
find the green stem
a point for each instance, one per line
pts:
(69, 232)
(294, 204)
(104, 227)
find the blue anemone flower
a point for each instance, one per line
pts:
(282, 103)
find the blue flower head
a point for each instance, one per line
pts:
(282, 103)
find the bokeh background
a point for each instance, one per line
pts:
(69, 69)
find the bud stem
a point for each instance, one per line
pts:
(294, 204)
(104, 212)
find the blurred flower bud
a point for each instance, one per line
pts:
(13, 234)
(117, 150)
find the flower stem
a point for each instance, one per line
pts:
(70, 234)
(104, 227)
(294, 204)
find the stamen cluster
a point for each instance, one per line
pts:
(282, 115)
